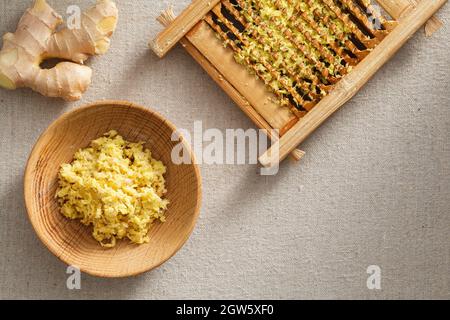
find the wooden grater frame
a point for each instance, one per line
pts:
(250, 93)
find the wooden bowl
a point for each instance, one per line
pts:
(71, 241)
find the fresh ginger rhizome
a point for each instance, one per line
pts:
(37, 39)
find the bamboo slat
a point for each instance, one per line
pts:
(397, 8)
(433, 25)
(350, 84)
(181, 25)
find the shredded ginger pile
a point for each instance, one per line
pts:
(115, 186)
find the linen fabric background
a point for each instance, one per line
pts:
(373, 189)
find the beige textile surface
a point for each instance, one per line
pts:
(373, 189)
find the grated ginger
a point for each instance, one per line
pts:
(115, 186)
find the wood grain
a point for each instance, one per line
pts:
(71, 241)
(398, 8)
(181, 25)
(433, 25)
(351, 83)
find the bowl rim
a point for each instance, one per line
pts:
(28, 177)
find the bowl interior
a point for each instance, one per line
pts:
(71, 241)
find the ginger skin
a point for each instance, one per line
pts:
(36, 40)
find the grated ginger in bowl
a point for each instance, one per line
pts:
(115, 186)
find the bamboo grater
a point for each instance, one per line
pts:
(214, 33)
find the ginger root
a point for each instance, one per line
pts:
(37, 39)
